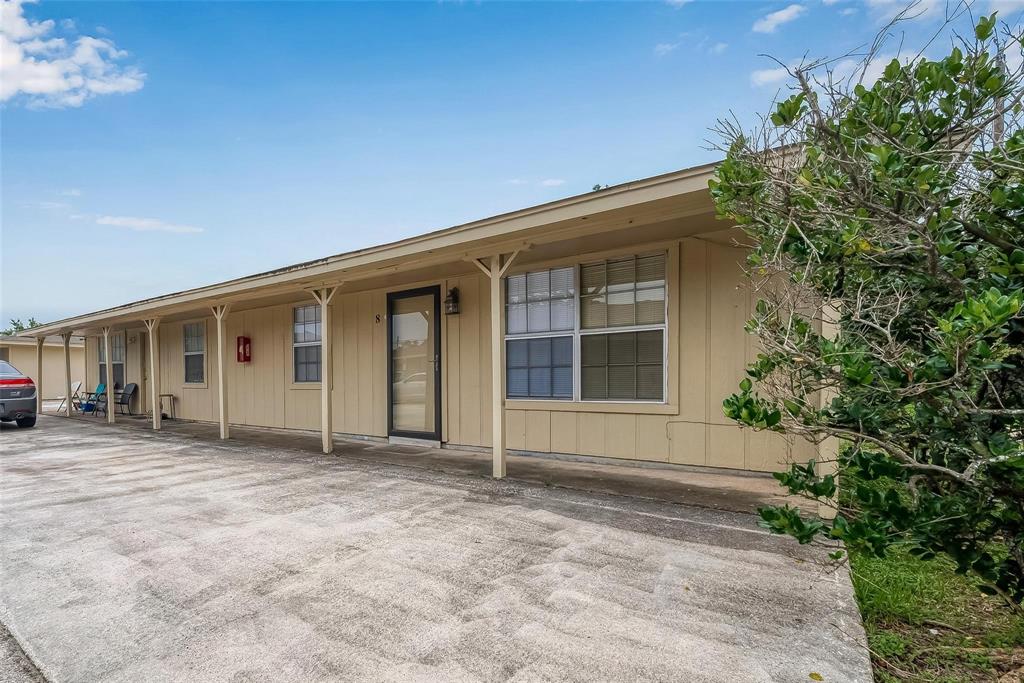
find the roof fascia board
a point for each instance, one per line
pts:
(379, 258)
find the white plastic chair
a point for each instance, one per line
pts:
(75, 387)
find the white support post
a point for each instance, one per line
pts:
(323, 297)
(153, 328)
(66, 338)
(110, 375)
(495, 269)
(220, 312)
(39, 375)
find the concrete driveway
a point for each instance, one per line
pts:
(132, 556)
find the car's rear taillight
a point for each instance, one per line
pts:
(17, 382)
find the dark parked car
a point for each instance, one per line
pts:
(17, 396)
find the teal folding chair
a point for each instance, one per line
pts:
(96, 401)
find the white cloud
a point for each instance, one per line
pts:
(849, 11)
(517, 181)
(145, 224)
(662, 49)
(552, 182)
(831, 2)
(46, 206)
(72, 192)
(678, 3)
(17, 27)
(50, 71)
(770, 22)
(763, 77)
(718, 48)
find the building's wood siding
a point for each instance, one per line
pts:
(708, 350)
(710, 304)
(23, 357)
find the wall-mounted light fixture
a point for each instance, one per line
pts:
(451, 302)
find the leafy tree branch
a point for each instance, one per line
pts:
(893, 213)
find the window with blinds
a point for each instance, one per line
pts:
(614, 321)
(195, 352)
(306, 343)
(540, 321)
(623, 292)
(625, 366)
(117, 354)
(539, 368)
(541, 301)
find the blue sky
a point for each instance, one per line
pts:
(151, 147)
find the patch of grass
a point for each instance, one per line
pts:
(924, 622)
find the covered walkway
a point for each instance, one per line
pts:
(720, 490)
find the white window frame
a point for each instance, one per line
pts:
(663, 326)
(185, 353)
(303, 344)
(577, 332)
(548, 334)
(102, 361)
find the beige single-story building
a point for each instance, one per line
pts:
(607, 325)
(20, 351)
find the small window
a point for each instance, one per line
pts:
(542, 301)
(623, 292)
(117, 354)
(306, 343)
(625, 366)
(540, 306)
(195, 352)
(540, 368)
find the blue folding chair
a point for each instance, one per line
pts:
(96, 401)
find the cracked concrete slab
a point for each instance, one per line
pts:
(129, 555)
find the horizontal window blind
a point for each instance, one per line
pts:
(617, 329)
(540, 301)
(306, 343)
(626, 366)
(194, 343)
(539, 368)
(117, 347)
(623, 292)
(194, 369)
(307, 363)
(117, 353)
(307, 324)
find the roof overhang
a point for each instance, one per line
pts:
(30, 340)
(649, 201)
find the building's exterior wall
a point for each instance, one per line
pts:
(23, 357)
(708, 351)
